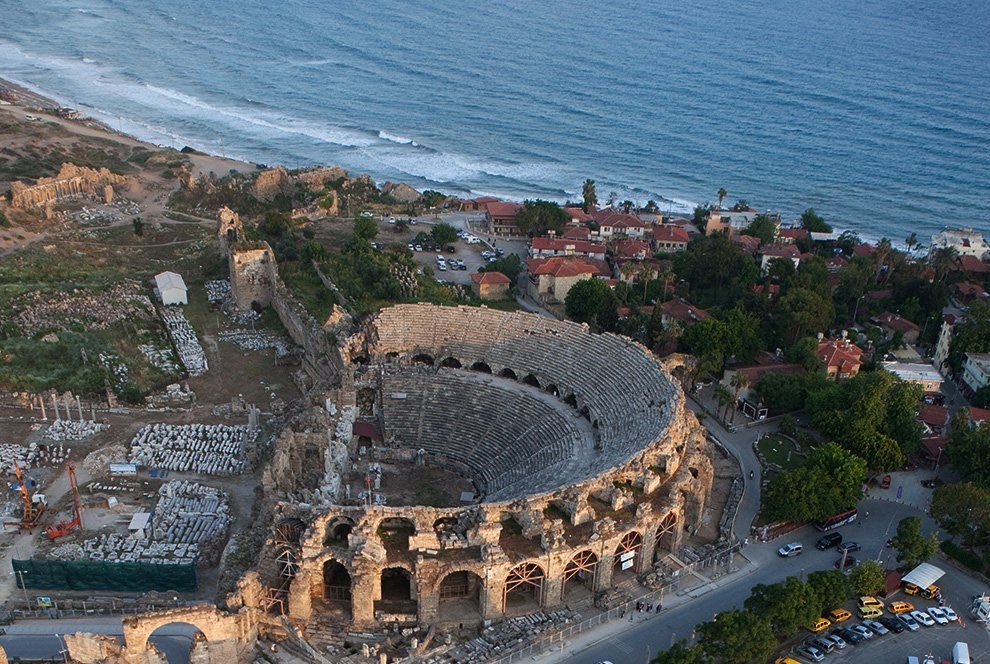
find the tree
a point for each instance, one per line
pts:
(813, 222)
(942, 260)
(741, 205)
(138, 226)
(762, 227)
(911, 241)
(443, 234)
(800, 312)
(828, 482)
(680, 653)
(589, 195)
(739, 382)
(787, 606)
(432, 199)
(613, 198)
(365, 229)
(736, 637)
(831, 586)
(724, 397)
(4, 222)
(651, 206)
(912, 547)
(510, 265)
(973, 336)
(539, 217)
(963, 510)
(866, 578)
(584, 299)
(607, 316)
(700, 216)
(722, 193)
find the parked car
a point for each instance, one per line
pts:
(849, 635)
(908, 621)
(837, 640)
(938, 615)
(828, 540)
(790, 550)
(867, 600)
(838, 615)
(845, 562)
(923, 618)
(812, 653)
(869, 612)
(877, 627)
(820, 625)
(950, 614)
(823, 644)
(863, 631)
(900, 607)
(848, 547)
(892, 623)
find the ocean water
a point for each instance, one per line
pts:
(874, 112)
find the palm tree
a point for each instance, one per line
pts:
(911, 241)
(942, 260)
(724, 397)
(589, 195)
(739, 382)
(722, 193)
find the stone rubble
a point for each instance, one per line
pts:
(211, 449)
(501, 638)
(217, 291)
(184, 337)
(98, 461)
(256, 340)
(60, 430)
(160, 358)
(38, 312)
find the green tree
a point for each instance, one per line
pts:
(443, 234)
(700, 216)
(741, 205)
(963, 510)
(432, 199)
(539, 217)
(828, 482)
(911, 241)
(589, 195)
(804, 351)
(722, 193)
(782, 393)
(762, 227)
(584, 299)
(736, 637)
(973, 336)
(365, 229)
(4, 222)
(607, 316)
(680, 653)
(866, 578)
(800, 312)
(510, 265)
(831, 586)
(739, 382)
(724, 397)
(138, 226)
(787, 606)
(913, 547)
(814, 222)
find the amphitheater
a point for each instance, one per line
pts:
(558, 464)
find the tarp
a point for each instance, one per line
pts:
(103, 575)
(923, 575)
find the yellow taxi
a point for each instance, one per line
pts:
(909, 588)
(785, 660)
(870, 602)
(838, 615)
(820, 625)
(900, 607)
(931, 592)
(869, 612)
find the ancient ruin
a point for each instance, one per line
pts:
(71, 182)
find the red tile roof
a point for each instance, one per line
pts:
(977, 415)
(682, 311)
(841, 354)
(564, 245)
(969, 289)
(631, 248)
(933, 415)
(972, 264)
(577, 233)
(864, 249)
(793, 233)
(490, 278)
(617, 219)
(781, 251)
(503, 210)
(670, 234)
(932, 446)
(754, 373)
(894, 322)
(747, 243)
(578, 213)
(569, 266)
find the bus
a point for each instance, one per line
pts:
(836, 520)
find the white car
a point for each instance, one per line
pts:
(938, 615)
(442, 267)
(876, 627)
(908, 621)
(788, 550)
(812, 653)
(950, 614)
(923, 618)
(863, 631)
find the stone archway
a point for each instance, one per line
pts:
(394, 533)
(580, 574)
(626, 552)
(451, 363)
(226, 637)
(524, 587)
(398, 592)
(508, 373)
(338, 531)
(459, 594)
(365, 400)
(552, 389)
(337, 585)
(481, 367)
(666, 536)
(423, 358)
(179, 642)
(531, 380)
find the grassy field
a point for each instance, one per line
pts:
(781, 451)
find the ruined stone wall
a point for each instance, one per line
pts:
(72, 181)
(230, 230)
(272, 182)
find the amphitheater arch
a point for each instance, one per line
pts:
(365, 399)
(571, 401)
(338, 531)
(337, 584)
(395, 531)
(580, 572)
(524, 586)
(423, 358)
(288, 531)
(450, 363)
(626, 553)
(481, 366)
(459, 595)
(391, 356)
(360, 359)
(397, 591)
(530, 379)
(552, 389)
(508, 373)
(666, 537)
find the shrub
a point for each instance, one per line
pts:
(967, 558)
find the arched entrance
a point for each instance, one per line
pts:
(398, 592)
(337, 585)
(552, 389)
(395, 532)
(626, 554)
(178, 641)
(579, 575)
(524, 589)
(451, 363)
(460, 597)
(666, 535)
(508, 373)
(338, 531)
(365, 400)
(482, 367)
(531, 380)
(423, 358)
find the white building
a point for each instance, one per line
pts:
(966, 241)
(918, 373)
(976, 370)
(171, 288)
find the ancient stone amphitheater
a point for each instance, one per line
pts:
(584, 465)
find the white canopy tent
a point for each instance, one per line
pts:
(923, 575)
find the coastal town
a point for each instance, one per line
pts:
(323, 419)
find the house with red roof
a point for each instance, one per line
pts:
(892, 323)
(629, 248)
(749, 244)
(763, 364)
(545, 247)
(792, 235)
(978, 416)
(476, 204)
(836, 264)
(778, 251)
(840, 358)
(972, 266)
(612, 223)
(935, 418)
(500, 218)
(551, 278)
(864, 250)
(490, 285)
(967, 291)
(670, 239)
(582, 233)
(578, 216)
(683, 312)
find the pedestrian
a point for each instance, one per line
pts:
(751, 474)
(649, 608)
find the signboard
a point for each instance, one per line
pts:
(627, 564)
(44, 602)
(123, 469)
(628, 555)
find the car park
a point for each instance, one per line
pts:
(812, 653)
(923, 618)
(789, 550)
(877, 627)
(908, 621)
(838, 615)
(863, 631)
(900, 607)
(848, 547)
(867, 600)
(938, 615)
(845, 562)
(893, 624)
(931, 592)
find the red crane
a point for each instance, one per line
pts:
(34, 506)
(64, 527)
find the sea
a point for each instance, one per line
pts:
(872, 112)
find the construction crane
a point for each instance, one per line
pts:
(64, 527)
(34, 506)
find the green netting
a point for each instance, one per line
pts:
(102, 575)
